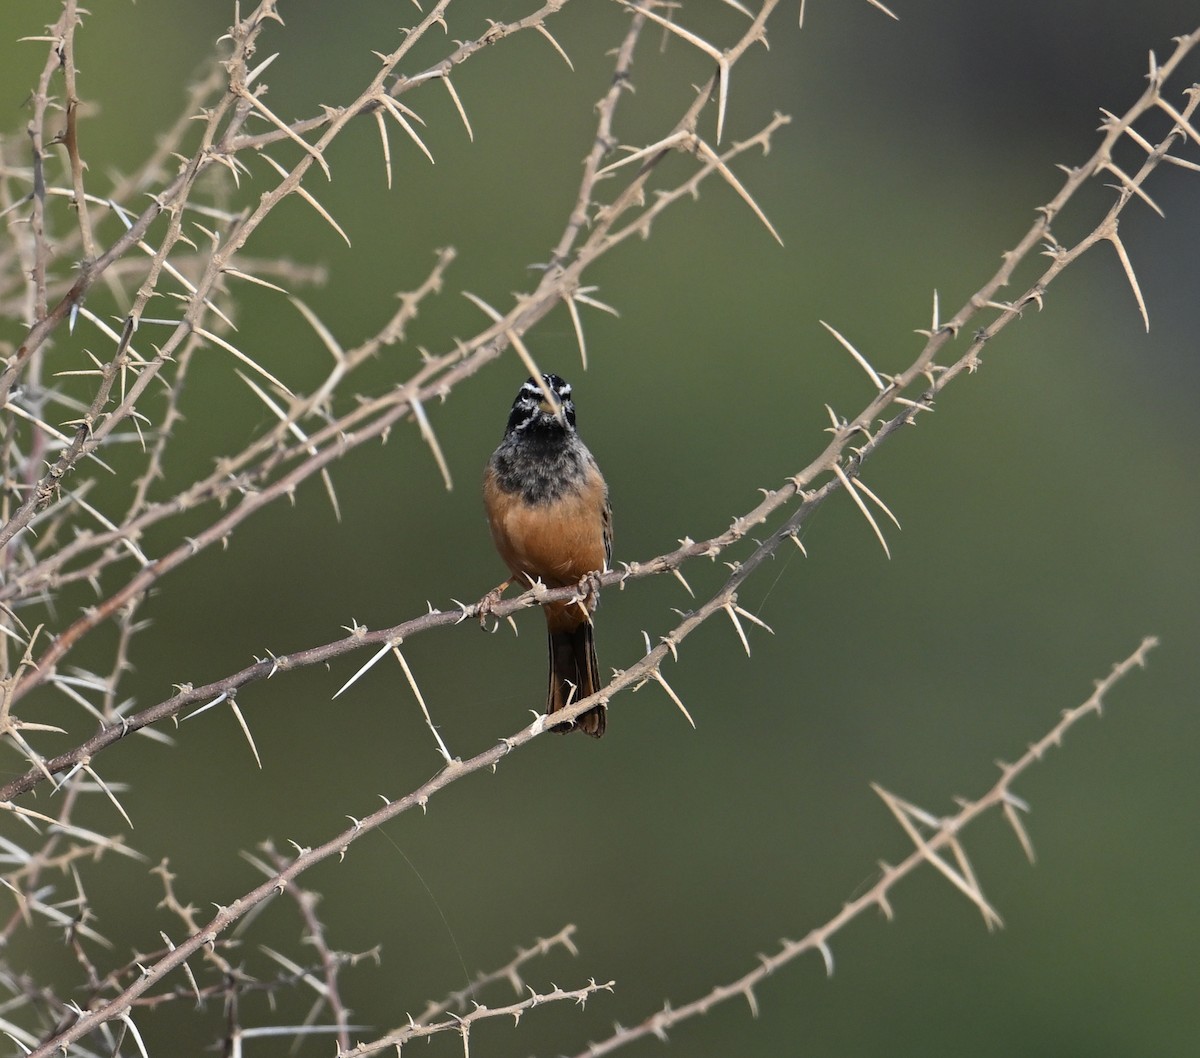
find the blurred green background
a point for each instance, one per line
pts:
(1049, 510)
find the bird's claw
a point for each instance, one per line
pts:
(589, 591)
(486, 607)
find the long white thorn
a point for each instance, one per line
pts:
(535, 372)
(1179, 120)
(286, 129)
(322, 332)
(858, 357)
(583, 296)
(459, 107)
(674, 697)
(253, 365)
(678, 573)
(310, 199)
(397, 111)
(849, 485)
(676, 139)
(381, 124)
(421, 701)
(206, 707)
(714, 53)
(1011, 806)
(137, 1036)
(554, 44)
(245, 731)
(1119, 246)
(753, 619)
(58, 435)
(886, 11)
(431, 440)
(715, 160)
(903, 813)
(374, 660)
(237, 273)
(1132, 187)
(109, 794)
(732, 612)
(300, 435)
(862, 487)
(494, 314)
(577, 323)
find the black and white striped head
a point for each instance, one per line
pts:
(532, 410)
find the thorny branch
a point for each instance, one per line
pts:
(903, 397)
(46, 548)
(945, 834)
(940, 834)
(251, 477)
(188, 248)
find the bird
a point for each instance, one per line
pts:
(548, 510)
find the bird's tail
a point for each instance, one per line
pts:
(574, 674)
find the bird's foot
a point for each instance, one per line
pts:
(589, 591)
(486, 607)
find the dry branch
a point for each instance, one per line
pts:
(174, 236)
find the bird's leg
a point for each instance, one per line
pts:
(589, 592)
(487, 605)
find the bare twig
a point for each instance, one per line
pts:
(942, 833)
